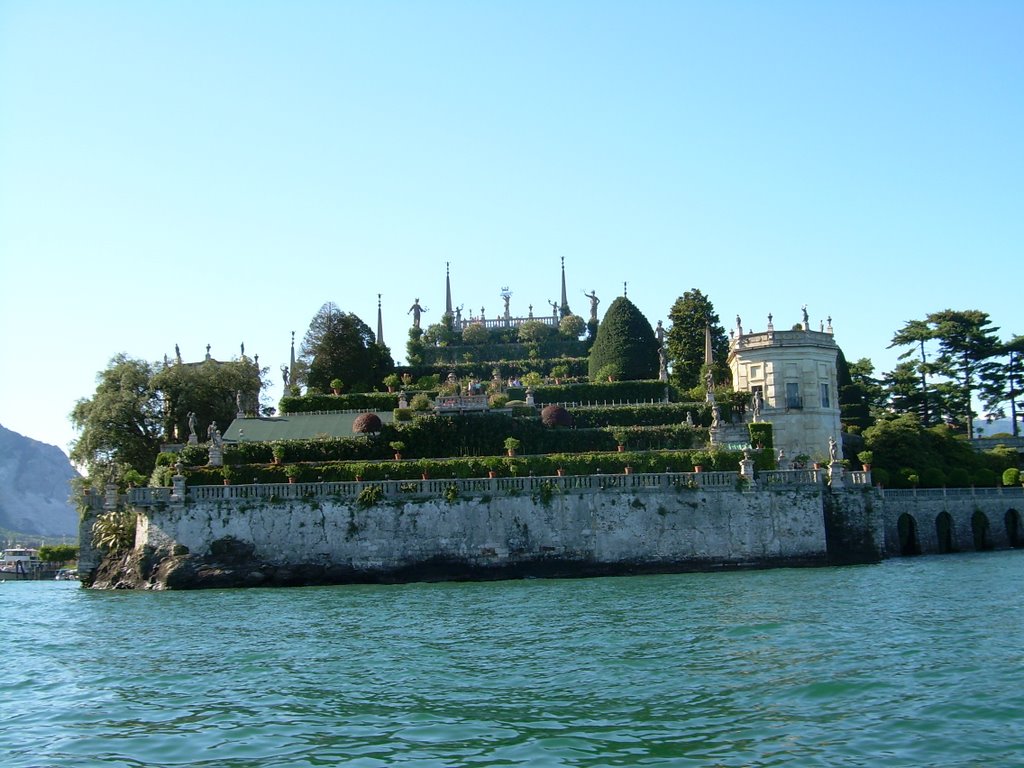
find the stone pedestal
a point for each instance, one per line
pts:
(835, 474)
(529, 396)
(192, 439)
(747, 469)
(178, 485)
(216, 456)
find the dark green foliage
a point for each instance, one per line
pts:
(932, 477)
(625, 339)
(642, 415)
(985, 478)
(483, 365)
(120, 425)
(375, 401)
(209, 390)
(1011, 476)
(855, 399)
(340, 345)
(605, 392)
(577, 463)
(58, 553)
(761, 434)
(689, 316)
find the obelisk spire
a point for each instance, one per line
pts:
(291, 364)
(448, 290)
(564, 308)
(380, 324)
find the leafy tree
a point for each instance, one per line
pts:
(916, 332)
(1011, 388)
(533, 331)
(58, 553)
(120, 425)
(475, 334)
(861, 397)
(340, 345)
(210, 390)
(625, 338)
(903, 393)
(690, 315)
(414, 347)
(572, 326)
(967, 346)
(440, 334)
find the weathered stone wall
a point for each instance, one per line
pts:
(925, 506)
(565, 533)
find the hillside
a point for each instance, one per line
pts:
(34, 487)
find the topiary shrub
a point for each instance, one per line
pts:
(985, 478)
(625, 338)
(572, 326)
(420, 402)
(931, 477)
(1011, 476)
(959, 478)
(555, 416)
(367, 424)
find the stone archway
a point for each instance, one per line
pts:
(944, 533)
(980, 529)
(906, 526)
(1013, 528)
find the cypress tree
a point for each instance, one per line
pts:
(625, 340)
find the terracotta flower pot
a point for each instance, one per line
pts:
(698, 468)
(561, 472)
(398, 457)
(491, 473)
(629, 470)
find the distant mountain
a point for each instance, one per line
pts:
(35, 483)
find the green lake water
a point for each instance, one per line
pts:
(914, 662)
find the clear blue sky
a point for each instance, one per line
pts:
(211, 173)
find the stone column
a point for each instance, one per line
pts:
(178, 484)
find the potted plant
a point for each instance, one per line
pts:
(227, 473)
(620, 436)
(336, 385)
(277, 451)
(397, 446)
(699, 459)
(866, 458)
(292, 472)
(800, 461)
(511, 445)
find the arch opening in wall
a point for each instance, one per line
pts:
(944, 533)
(1013, 528)
(980, 529)
(906, 525)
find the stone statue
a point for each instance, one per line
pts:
(284, 377)
(594, 301)
(659, 334)
(554, 308)
(689, 418)
(782, 456)
(833, 448)
(216, 439)
(238, 402)
(507, 297)
(458, 315)
(211, 431)
(191, 423)
(662, 364)
(758, 404)
(177, 353)
(709, 382)
(806, 319)
(416, 310)
(716, 415)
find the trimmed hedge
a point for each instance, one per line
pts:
(608, 391)
(483, 369)
(641, 415)
(504, 466)
(358, 401)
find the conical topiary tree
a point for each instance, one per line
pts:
(625, 341)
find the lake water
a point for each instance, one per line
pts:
(915, 662)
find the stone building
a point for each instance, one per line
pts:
(793, 373)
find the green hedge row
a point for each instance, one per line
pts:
(608, 391)
(640, 415)
(502, 466)
(360, 401)
(484, 369)
(546, 351)
(434, 436)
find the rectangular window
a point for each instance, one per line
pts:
(824, 396)
(755, 371)
(793, 395)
